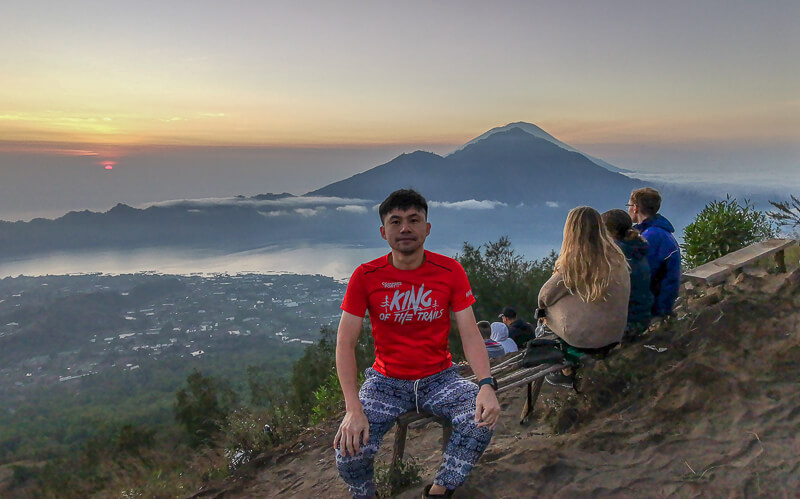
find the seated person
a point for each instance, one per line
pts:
(494, 348)
(663, 251)
(634, 247)
(519, 330)
(500, 335)
(586, 298)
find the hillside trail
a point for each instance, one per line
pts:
(715, 414)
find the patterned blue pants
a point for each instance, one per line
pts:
(445, 394)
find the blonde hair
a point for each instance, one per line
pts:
(588, 255)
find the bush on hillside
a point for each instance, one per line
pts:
(314, 368)
(328, 398)
(722, 227)
(500, 277)
(202, 407)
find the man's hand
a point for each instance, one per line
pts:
(487, 408)
(353, 430)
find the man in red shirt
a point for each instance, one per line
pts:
(409, 295)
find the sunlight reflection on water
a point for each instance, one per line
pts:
(331, 260)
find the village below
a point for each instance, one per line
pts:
(85, 344)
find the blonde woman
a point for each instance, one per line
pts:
(586, 298)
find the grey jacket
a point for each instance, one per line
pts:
(587, 325)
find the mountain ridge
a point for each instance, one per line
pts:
(530, 184)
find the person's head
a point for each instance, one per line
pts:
(508, 315)
(499, 331)
(643, 204)
(588, 254)
(618, 224)
(404, 221)
(486, 329)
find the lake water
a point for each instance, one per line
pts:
(334, 261)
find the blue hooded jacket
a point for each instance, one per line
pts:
(640, 304)
(664, 257)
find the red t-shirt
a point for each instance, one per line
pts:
(410, 312)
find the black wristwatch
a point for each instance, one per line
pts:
(488, 381)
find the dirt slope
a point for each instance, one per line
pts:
(717, 414)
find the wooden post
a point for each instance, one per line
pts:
(779, 260)
(526, 409)
(536, 389)
(399, 444)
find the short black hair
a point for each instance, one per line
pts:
(403, 199)
(508, 312)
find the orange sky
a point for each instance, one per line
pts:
(320, 73)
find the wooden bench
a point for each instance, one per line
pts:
(718, 270)
(509, 373)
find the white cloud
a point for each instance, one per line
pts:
(469, 204)
(352, 208)
(551, 204)
(272, 213)
(309, 212)
(287, 202)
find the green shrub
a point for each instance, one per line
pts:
(722, 227)
(329, 400)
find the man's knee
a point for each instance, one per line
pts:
(467, 429)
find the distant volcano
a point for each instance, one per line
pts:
(507, 164)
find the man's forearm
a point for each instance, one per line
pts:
(347, 371)
(476, 354)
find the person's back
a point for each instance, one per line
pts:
(582, 324)
(663, 253)
(634, 247)
(519, 330)
(586, 299)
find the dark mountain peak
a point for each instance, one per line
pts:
(512, 132)
(515, 140)
(122, 208)
(526, 127)
(539, 133)
(415, 156)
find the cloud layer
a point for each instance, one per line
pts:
(469, 204)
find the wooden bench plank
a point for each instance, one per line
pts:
(719, 269)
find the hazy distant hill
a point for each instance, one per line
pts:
(515, 180)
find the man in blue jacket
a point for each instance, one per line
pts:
(663, 253)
